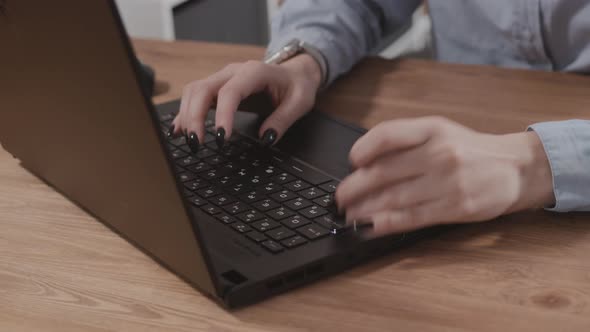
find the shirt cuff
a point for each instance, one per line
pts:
(567, 145)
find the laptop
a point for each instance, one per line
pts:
(240, 224)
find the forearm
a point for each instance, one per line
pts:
(343, 31)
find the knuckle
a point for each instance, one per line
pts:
(467, 207)
(451, 155)
(439, 124)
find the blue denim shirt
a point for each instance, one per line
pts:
(534, 34)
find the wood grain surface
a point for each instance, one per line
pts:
(60, 270)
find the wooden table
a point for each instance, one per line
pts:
(60, 270)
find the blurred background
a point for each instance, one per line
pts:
(241, 22)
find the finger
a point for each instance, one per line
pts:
(389, 137)
(201, 98)
(253, 77)
(385, 171)
(290, 110)
(409, 219)
(400, 196)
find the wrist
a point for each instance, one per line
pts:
(535, 171)
(305, 64)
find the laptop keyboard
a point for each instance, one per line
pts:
(268, 197)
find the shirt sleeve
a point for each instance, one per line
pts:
(343, 31)
(567, 144)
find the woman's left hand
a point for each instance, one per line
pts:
(415, 173)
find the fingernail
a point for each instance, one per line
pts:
(170, 133)
(220, 137)
(269, 137)
(193, 142)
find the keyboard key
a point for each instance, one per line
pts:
(230, 167)
(313, 211)
(211, 174)
(284, 178)
(270, 188)
(284, 195)
(297, 185)
(280, 233)
(256, 181)
(298, 204)
(235, 208)
(324, 201)
(224, 181)
(241, 227)
(242, 173)
(305, 173)
(256, 236)
(265, 225)
(176, 154)
(188, 193)
(332, 223)
(245, 143)
(252, 197)
(222, 200)
(165, 117)
(280, 213)
(272, 246)
(186, 176)
(231, 151)
(197, 201)
(204, 153)
(311, 193)
(208, 192)
(295, 222)
(250, 216)
(313, 231)
(226, 218)
(178, 141)
(215, 160)
(165, 126)
(267, 171)
(265, 205)
(329, 187)
(195, 184)
(187, 161)
(208, 138)
(212, 210)
(293, 242)
(199, 167)
(237, 188)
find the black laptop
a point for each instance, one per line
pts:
(240, 224)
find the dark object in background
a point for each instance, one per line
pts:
(148, 78)
(243, 22)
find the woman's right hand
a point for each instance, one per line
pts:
(292, 86)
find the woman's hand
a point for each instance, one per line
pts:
(292, 85)
(421, 172)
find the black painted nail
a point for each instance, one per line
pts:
(220, 137)
(170, 133)
(269, 137)
(193, 142)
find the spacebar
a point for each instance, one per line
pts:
(301, 171)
